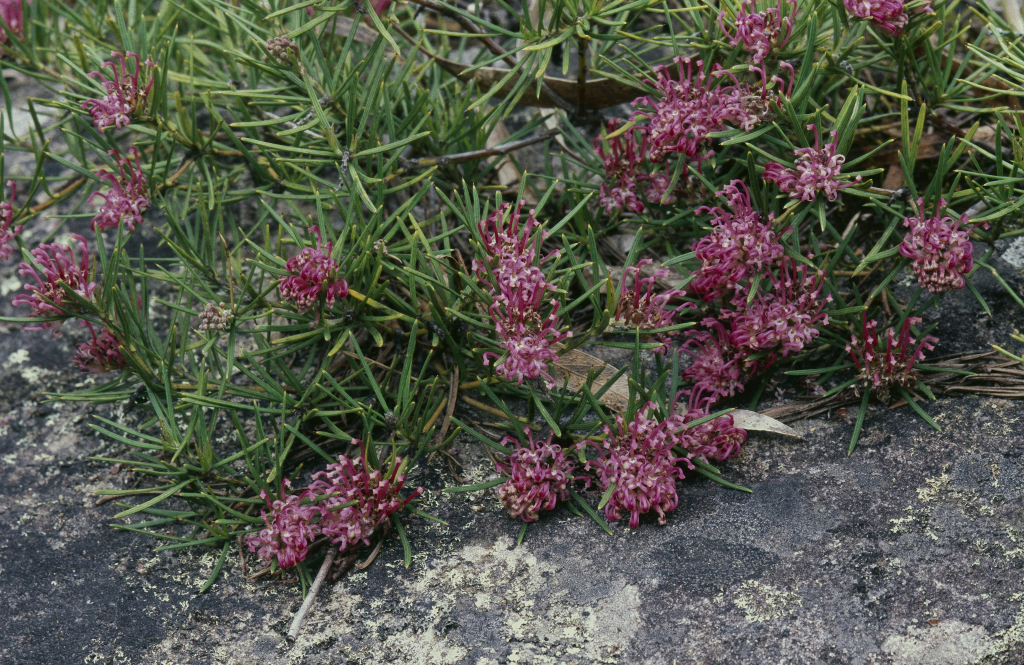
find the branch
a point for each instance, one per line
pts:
(425, 162)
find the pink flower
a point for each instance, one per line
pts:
(658, 188)
(719, 369)
(282, 49)
(689, 109)
(512, 251)
(124, 96)
(102, 354)
(520, 292)
(11, 15)
(540, 477)
(888, 363)
(48, 298)
(739, 246)
(215, 318)
(622, 167)
(526, 337)
(375, 498)
(817, 168)
(7, 235)
(126, 199)
(940, 248)
(637, 458)
(760, 32)
(717, 439)
(786, 316)
(289, 528)
(313, 274)
(887, 15)
(639, 307)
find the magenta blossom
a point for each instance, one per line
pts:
(641, 308)
(637, 459)
(47, 297)
(11, 16)
(739, 246)
(101, 354)
(621, 167)
(887, 15)
(526, 338)
(126, 199)
(658, 191)
(512, 251)
(719, 369)
(289, 528)
(520, 291)
(314, 274)
(690, 109)
(785, 317)
(124, 96)
(940, 248)
(883, 364)
(817, 168)
(373, 495)
(540, 475)
(7, 234)
(760, 32)
(717, 439)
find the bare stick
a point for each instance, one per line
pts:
(459, 157)
(307, 604)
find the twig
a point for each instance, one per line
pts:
(241, 556)
(307, 604)
(373, 555)
(453, 393)
(411, 164)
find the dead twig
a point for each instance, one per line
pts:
(307, 604)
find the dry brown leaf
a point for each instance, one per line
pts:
(576, 365)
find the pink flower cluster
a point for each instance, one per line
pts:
(717, 439)
(520, 291)
(719, 369)
(622, 163)
(289, 528)
(940, 247)
(785, 317)
(11, 16)
(817, 168)
(883, 364)
(760, 32)
(124, 95)
(101, 354)
(539, 477)
(640, 307)
(889, 16)
(689, 109)
(126, 199)
(772, 325)
(739, 246)
(781, 320)
(314, 274)
(345, 503)
(637, 458)
(7, 234)
(375, 498)
(47, 297)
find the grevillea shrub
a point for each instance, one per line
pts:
(309, 250)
